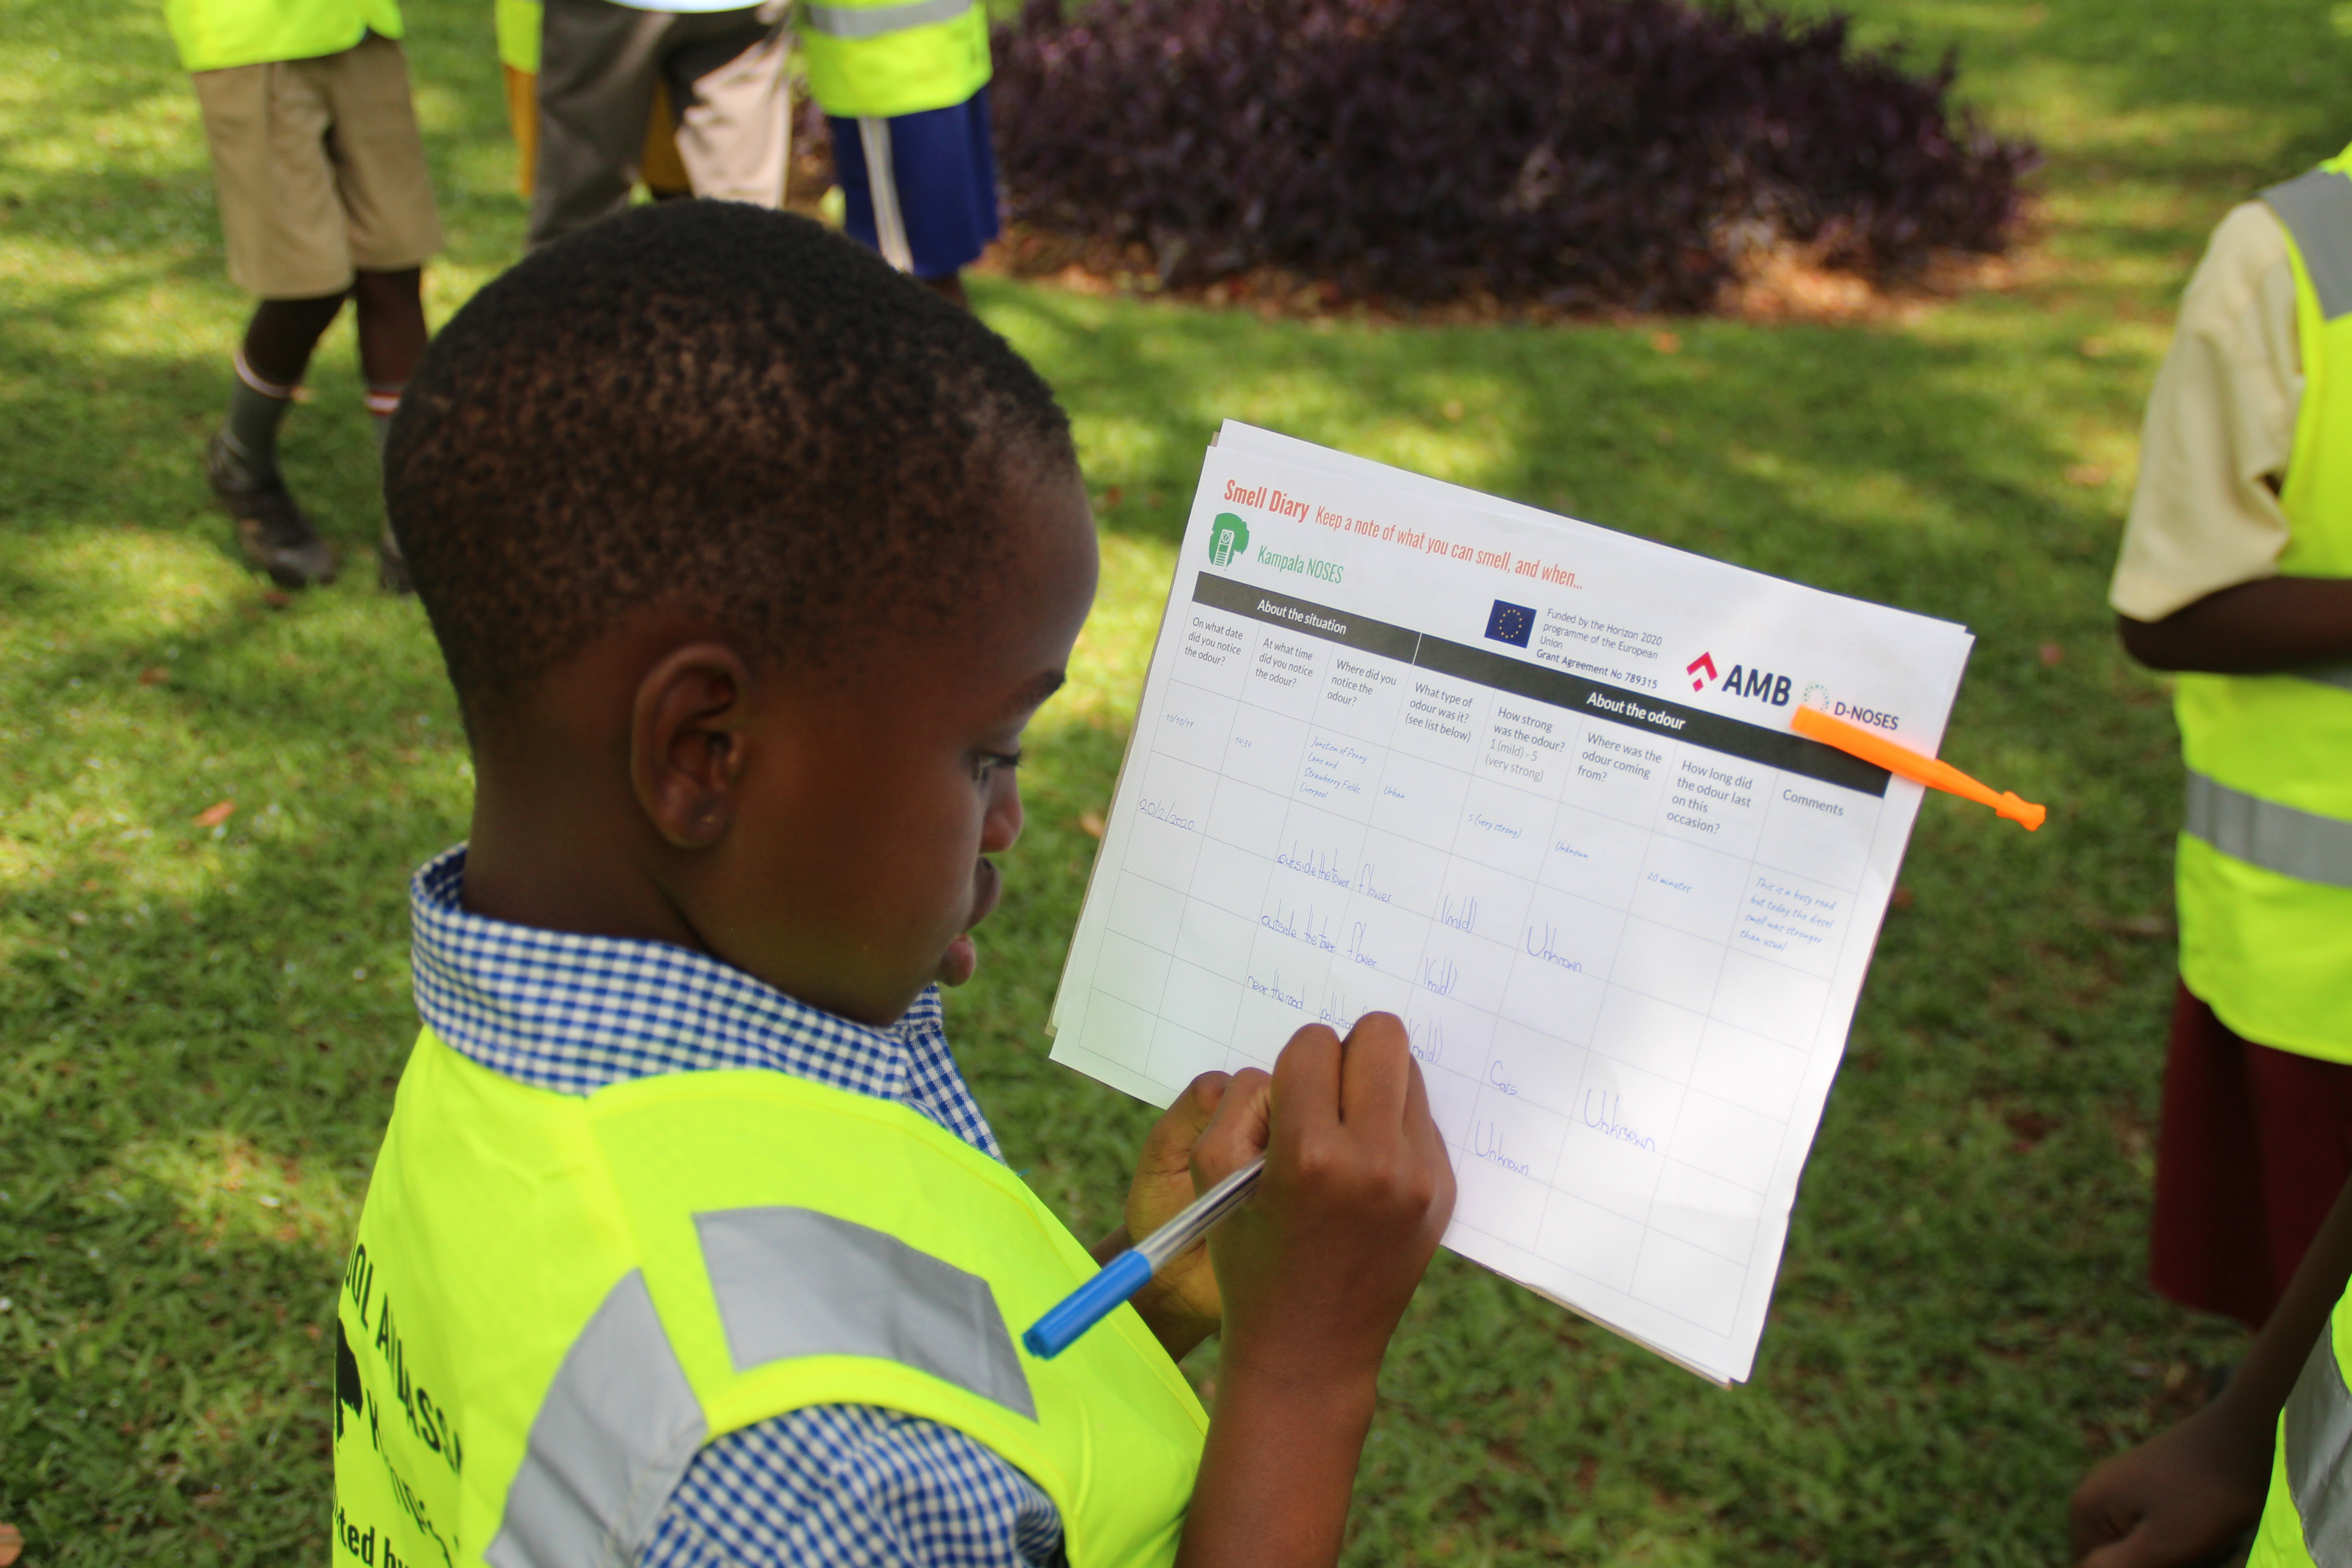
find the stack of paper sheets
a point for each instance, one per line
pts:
(1530, 785)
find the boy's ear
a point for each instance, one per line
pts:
(686, 741)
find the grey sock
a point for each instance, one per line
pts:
(250, 433)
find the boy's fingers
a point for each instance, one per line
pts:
(1416, 1097)
(1169, 1145)
(1306, 1081)
(1421, 1131)
(1237, 1129)
(1192, 1108)
(1204, 1092)
(1419, 1123)
(1373, 1075)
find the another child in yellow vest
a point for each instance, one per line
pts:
(659, 167)
(2271, 1456)
(2236, 570)
(905, 89)
(601, 70)
(324, 195)
(751, 561)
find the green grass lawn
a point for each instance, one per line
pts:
(200, 1028)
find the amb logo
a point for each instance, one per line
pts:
(1744, 680)
(1227, 539)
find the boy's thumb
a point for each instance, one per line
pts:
(1237, 1130)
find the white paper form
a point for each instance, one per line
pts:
(1530, 785)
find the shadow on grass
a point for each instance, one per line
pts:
(203, 1035)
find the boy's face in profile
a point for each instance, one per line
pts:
(853, 869)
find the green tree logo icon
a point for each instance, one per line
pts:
(1228, 539)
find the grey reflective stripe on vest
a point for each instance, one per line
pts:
(874, 21)
(2317, 1425)
(2317, 210)
(795, 1282)
(2299, 844)
(2338, 675)
(609, 1445)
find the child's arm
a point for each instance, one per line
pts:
(2269, 625)
(1314, 1273)
(2188, 1493)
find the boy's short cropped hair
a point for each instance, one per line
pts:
(715, 407)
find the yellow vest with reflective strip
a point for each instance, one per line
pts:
(2307, 1517)
(214, 34)
(556, 1300)
(2265, 874)
(875, 58)
(516, 24)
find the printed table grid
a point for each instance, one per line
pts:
(1324, 831)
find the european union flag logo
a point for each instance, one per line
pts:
(1511, 623)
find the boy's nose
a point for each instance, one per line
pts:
(1003, 823)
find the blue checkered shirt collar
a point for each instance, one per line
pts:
(572, 1013)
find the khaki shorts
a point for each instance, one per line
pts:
(319, 170)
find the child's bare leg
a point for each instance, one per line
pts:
(391, 309)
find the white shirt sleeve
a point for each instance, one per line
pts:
(2219, 426)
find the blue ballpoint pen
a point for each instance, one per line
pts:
(1123, 1276)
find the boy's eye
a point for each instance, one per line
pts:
(987, 764)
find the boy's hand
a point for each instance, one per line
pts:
(1180, 1305)
(1317, 1268)
(2180, 1499)
(1313, 1271)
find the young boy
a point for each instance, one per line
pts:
(324, 195)
(687, 1244)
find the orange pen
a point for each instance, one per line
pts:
(1814, 724)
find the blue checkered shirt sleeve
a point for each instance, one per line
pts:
(855, 1486)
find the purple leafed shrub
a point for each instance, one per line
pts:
(1586, 153)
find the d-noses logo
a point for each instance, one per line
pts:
(1744, 680)
(1818, 695)
(1227, 538)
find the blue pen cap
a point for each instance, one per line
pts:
(1087, 1305)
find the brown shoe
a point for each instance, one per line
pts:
(271, 529)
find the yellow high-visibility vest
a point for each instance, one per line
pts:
(214, 34)
(875, 58)
(2264, 872)
(2307, 1517)
(516, 25)
(556, 1300)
